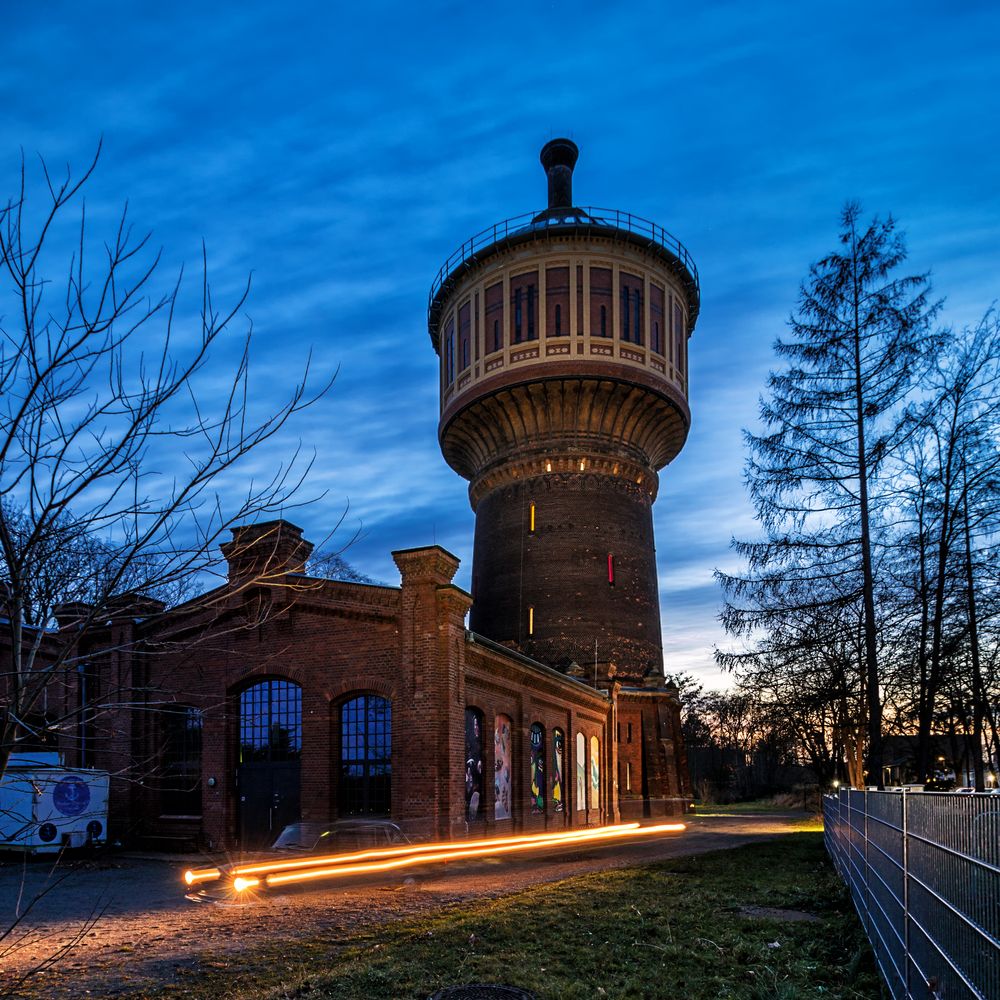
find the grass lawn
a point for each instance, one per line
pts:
(678, 929)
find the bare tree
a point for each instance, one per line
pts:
(122, 440)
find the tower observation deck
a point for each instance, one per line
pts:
(562, 336)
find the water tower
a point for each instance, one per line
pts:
(562, 336)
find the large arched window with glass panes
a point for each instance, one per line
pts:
(271, 722)
(365, 772)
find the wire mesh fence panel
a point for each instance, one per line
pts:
(923, 870)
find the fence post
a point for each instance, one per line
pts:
(906, 893)
(868, 888)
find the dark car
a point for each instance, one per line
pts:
(303, 840)
(342, 836)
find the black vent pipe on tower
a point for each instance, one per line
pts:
(559, 157)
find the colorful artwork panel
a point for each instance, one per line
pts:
(558, 751)
(501, 768)
(473, 764)
(537, 737)
(595, 773)
(581, 773)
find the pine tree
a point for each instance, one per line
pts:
(833, 418)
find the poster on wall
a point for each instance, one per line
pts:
(581, 773)
(501, 768)
(557, 769)
(473, 764)
(595, 772)
(537, 769)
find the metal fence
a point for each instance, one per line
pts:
(924, 872)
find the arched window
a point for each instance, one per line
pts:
(473, 764)
(558, 320)
(501, 767)
(595, 773)
(604, 321)
(271, 722)
(365, 757)
(558, 767)
(181, 785)
(581, 772)
(537, 737)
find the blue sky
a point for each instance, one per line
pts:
(341, 152)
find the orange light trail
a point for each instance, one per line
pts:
(455, 854)
(263, 867)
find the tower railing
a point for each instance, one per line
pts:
(599, 220)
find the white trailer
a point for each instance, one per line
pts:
(45, 806)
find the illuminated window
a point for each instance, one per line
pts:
(537, 764)
(531, 620)
(531, 518)
(581, 772)
(628, 777)
(365, 757)
(611, 568)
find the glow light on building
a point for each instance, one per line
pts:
(441, 853)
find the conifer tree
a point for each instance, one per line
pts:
(832, 419)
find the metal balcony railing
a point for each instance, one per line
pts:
(600, 220)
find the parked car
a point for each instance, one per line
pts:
(339, 837)
(303, 840)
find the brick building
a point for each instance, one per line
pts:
(562, 340)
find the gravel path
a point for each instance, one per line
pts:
(129, 929)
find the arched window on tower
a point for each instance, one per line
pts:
(656, 317)
(494, 316)
(600, 300)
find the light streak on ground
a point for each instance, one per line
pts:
(263, 867)
(457, 853)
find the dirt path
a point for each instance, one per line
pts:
(129, 928)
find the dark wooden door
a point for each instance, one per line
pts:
(268, 800)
